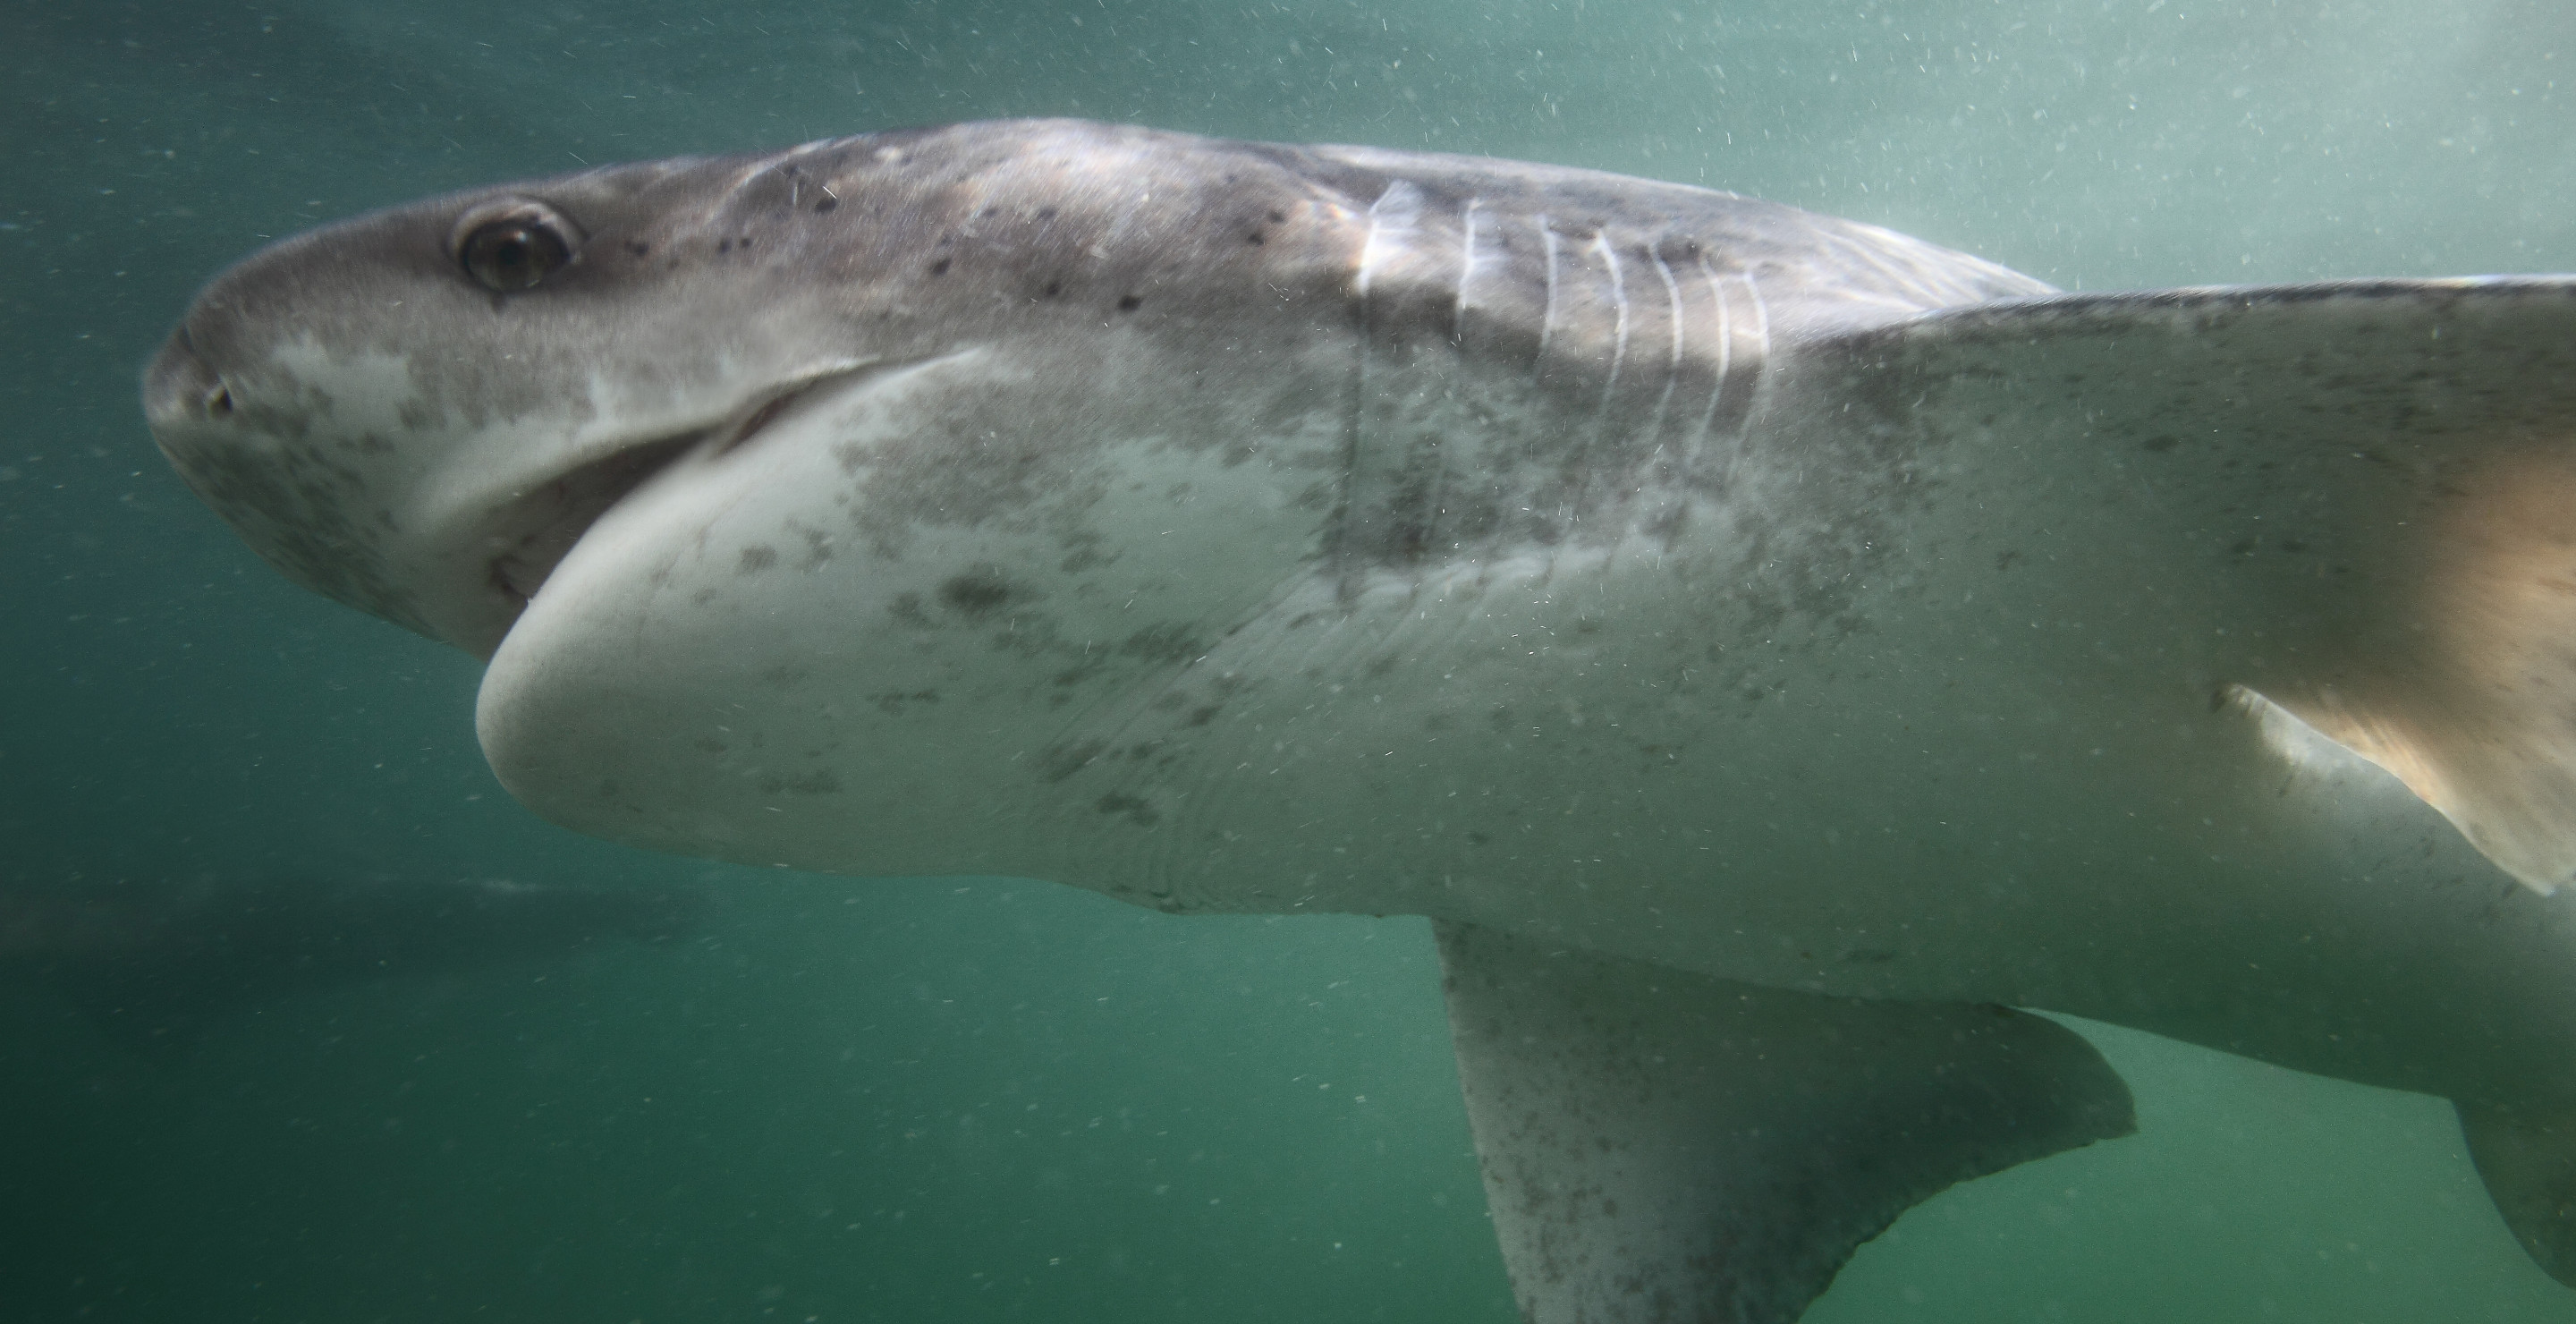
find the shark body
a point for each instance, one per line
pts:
(153, 960)
(1767, 646)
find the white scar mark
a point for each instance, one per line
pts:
(1466, 273)
(784, 162)
(1619, 298)
(1547, 320)
(749, 175)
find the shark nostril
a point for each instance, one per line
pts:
(181, 389)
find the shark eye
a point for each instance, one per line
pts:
(516, 247)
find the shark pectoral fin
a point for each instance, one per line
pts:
(2458, 677)
(1669, 1146)
(2528, 1158)
(2356, 500)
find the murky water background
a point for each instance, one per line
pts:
(976, 1099)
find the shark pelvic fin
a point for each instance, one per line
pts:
(1660, 1145)
(2528, 1158)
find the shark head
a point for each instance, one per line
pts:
(419, 411)
(884, 419)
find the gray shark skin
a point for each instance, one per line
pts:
(152, 961)
(1768, 647)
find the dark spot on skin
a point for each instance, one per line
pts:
(1052, 289)
(1278, 217)
(638, 247)
(1253, 238)
(827, 204)
(2161, 442)
(710, 744)
(755, 559)
(980, 591)
(724, 245)
(2245, 547)
(2292, 545)
(989, 212)
(1128, 303)
(939, 268)
(2004, 560)
(892, 704)
(1477, 838)
(784, 676)
(1202, 716)
(1046, 213)
(1066, 760)
(1137, 811)
(907, 608)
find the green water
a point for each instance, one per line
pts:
(974, 1099)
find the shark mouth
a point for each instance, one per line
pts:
(540, 529)
(556, 516)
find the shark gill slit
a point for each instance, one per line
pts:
(1672, 357)
(1580, 463)
(1466, 273)
(1392, 217)
(1547, 320)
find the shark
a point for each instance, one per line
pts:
(154, 961)
(1783, 658)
